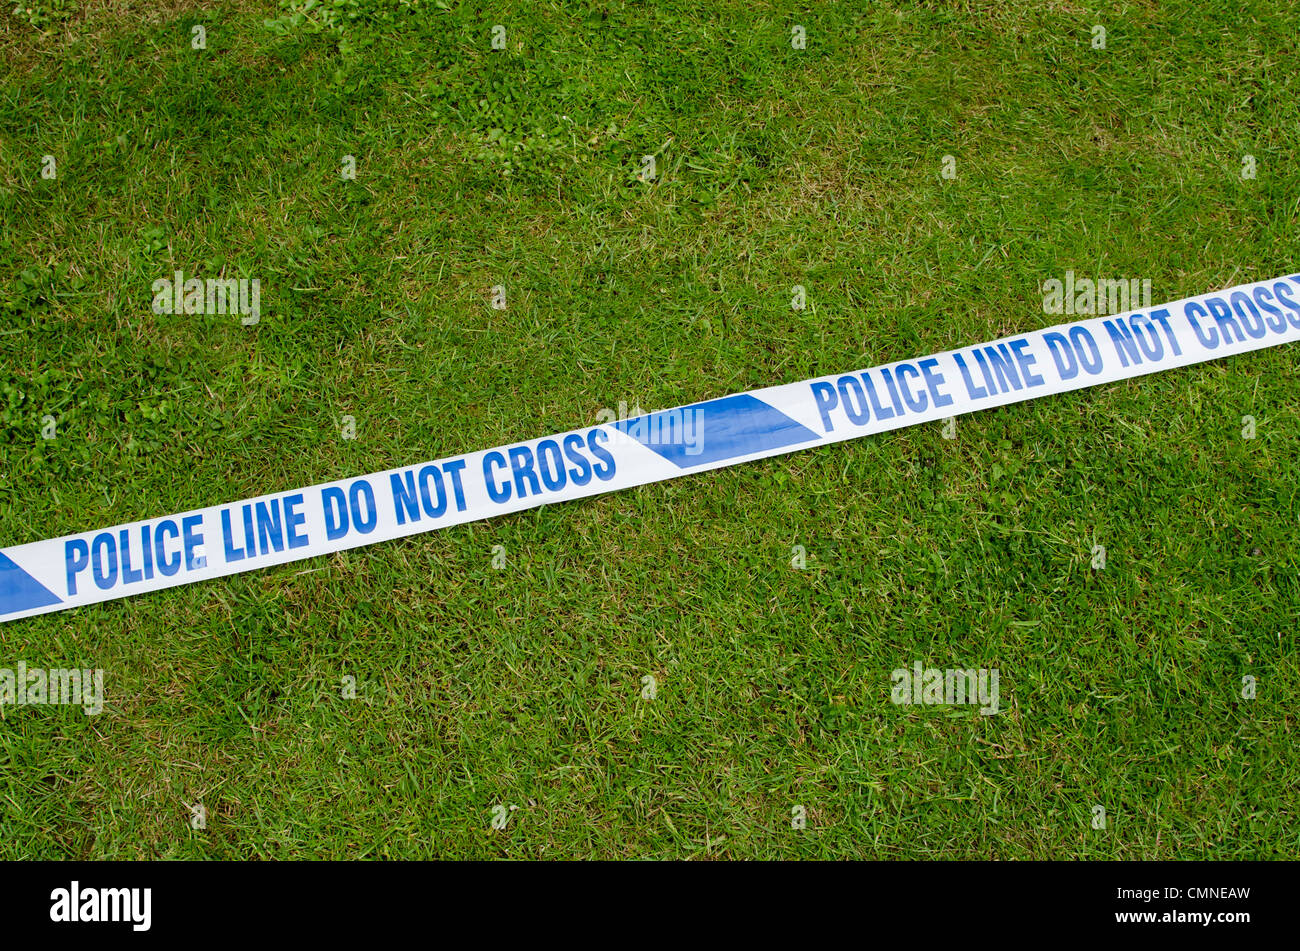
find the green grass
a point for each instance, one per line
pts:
(522, 687)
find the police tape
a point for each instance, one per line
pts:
(207, 543)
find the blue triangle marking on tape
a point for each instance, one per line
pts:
(19, 591)
(719, 429)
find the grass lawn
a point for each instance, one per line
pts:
(518, 692)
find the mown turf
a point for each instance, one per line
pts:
(522, 687)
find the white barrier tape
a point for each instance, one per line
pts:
(288, 526)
